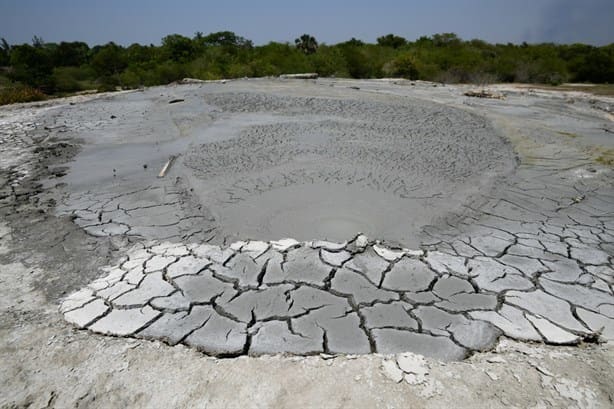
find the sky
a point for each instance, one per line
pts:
(146, 22)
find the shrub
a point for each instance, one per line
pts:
(108, 83)
(329, 61)
(20, 93)
(239, 71)
(404, 66)
(168, 72)
(130, 78)
(66, 79)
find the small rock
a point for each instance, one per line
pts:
(414, 253)
(284, 244)
(237, 245)
(492, 375)
(392, 371)
(388, 254)
(414, 379)
(415, 366)
(255, 248)
(335, 258)
(431, 388)
(542, 370)
(361, 241)
(328, 245)
(496, 360)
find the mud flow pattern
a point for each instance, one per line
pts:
(333, 167)
(214, 274)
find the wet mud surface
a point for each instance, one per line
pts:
(265, 165)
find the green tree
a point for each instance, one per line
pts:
(32, 66)
(329, 61)
(591, 64)
(178, 48)
(307, 44)
(353, 42)
(405, 66)
(358, 64)
(225, 39)
(38, 42)
(280, 58)
(5, 52)
(69, 66)
(66, 79)
(137, 54)
(391, 40)
(109, 60)
(73, 54)
(446, 40)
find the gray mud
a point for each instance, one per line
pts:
(262, 164)
(504, 205)
(505, 250)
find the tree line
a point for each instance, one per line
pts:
(74, 66)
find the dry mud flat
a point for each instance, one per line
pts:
(488, 237)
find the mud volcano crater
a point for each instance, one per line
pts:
(253, 244)
(321, 167)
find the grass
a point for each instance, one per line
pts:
(4, 81)
(568, 134)
(595, 89)
(20, 93)
(606, 157)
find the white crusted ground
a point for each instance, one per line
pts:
(528, 259)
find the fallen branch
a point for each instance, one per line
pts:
(167, 166)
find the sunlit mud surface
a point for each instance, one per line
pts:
(462, 241)
(487, 239)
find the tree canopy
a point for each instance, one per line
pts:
(444, 57)
(307, 44)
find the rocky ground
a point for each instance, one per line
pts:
(484, 277)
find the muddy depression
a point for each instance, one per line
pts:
(312, 217)
(267, 165)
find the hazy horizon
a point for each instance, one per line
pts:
(496, 21)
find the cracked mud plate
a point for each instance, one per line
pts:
(321, 297)
(524, 252)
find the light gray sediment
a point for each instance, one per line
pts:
(500, 247)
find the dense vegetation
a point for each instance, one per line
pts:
(73, 66)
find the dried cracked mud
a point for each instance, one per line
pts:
(330, 218)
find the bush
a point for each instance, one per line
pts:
(32, 66)
(108, 83)
(403, 66)
(131, 79)
(261, 68)
(168, 72)
(239, 71)
(21, 93)
(69, 67)
(66, 79)
(329, 61)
